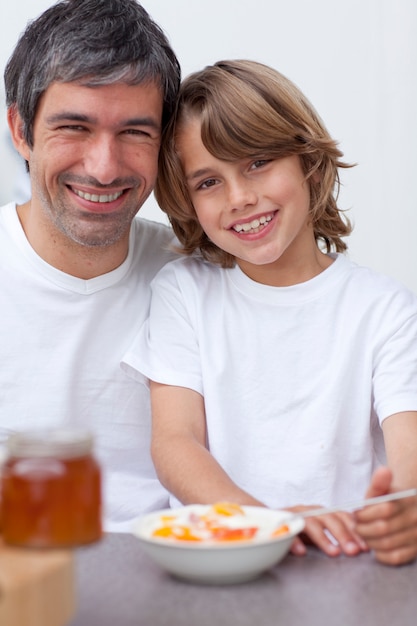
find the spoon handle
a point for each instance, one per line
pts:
(354, 506)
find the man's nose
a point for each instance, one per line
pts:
(102, 159)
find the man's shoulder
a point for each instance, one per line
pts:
(8, 209)
(154, 245)
(150, 235)
(8, 218)
(144, 226)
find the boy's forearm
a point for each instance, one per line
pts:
(400, 435)
(192, 475)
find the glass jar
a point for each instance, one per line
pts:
(51, 489)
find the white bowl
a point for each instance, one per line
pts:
(220, 562)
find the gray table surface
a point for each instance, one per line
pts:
(118, 585)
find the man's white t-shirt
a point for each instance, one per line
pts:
(296, 380)
(62, 339)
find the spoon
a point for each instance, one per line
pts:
(354, 506)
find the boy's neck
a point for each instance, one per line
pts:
(285, 273)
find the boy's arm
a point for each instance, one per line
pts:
(184, 465)
(188, 470)
(390, 529)
(400, 436)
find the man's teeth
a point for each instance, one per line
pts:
(254, 225)
(94, 197)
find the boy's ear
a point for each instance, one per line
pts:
(15, 123)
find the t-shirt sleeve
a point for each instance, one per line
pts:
(395, 362)
(166, 348)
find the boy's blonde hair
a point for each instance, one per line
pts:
(248, 109)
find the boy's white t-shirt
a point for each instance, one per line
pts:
(62, 339)
(296, 380)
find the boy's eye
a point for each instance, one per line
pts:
(260, 163)
(207, 183)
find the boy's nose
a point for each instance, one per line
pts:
(241, 195)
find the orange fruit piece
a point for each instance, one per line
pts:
(163, 531)
(233, 534)
(228, 508)
(182, 533)
(281, 530)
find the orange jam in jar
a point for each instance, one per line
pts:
(51, 486)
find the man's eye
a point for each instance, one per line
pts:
(137, 131)
(143, 134)
(75, 127)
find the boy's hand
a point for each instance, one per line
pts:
(389, 529)
(333, 533)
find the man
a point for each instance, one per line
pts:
(89, 87)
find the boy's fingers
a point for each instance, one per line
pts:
(297, 547)
(381, 483)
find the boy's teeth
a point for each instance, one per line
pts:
(253, 224)
(93, 197)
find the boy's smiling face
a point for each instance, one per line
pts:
(255, 209)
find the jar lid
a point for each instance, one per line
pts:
(62, 442)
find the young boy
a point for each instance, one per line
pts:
(283, 374)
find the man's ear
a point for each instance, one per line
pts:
(15, 123)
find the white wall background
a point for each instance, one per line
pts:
(357, 62)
